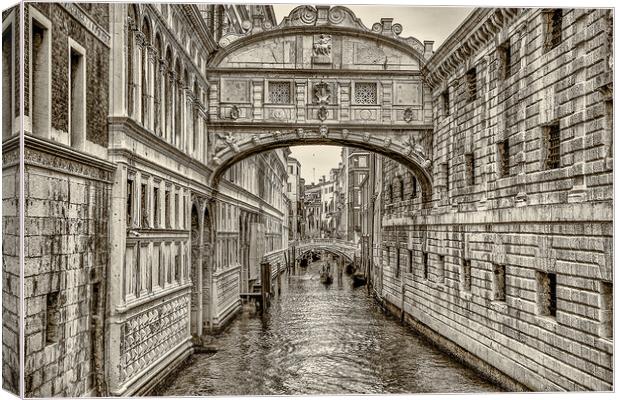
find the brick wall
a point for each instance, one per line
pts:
(65, 26)
(532, 221)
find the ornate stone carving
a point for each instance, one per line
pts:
(300, 132)
(226, 141)
(322, 49)
(366, 136)
(234, 112)
(408, 114)
(322, 113)
(322, 93)
(323, 131)
(345, 133)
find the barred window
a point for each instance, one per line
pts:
(414, 186)
(467, 275)
(470, 172)
(425, 265)
(552, 142)
(546, 289)
(499, 282)
(365, 93)
(607, 310)
(471, 84)
(503, 150)
(279, 92)
(445, 98)
(553, 28)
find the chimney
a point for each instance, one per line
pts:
(428, 48)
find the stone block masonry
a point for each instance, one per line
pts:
(511, 261)
(66, 259)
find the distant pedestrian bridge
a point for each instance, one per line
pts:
(338, 247)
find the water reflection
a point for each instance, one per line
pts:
(316, 338)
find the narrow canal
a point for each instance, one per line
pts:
(321, 339)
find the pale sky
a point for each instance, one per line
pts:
(423, 23)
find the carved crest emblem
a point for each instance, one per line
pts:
(322, 114)
(322, 93)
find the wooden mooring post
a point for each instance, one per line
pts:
(265, 289)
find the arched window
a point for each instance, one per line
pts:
(144, 85)
(168, 95)
(414, 186)
(132, 20)
(158, 81)
(390, 194)
(401, 187)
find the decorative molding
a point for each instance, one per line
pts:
(83, 18)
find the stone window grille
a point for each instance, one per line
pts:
(156, 207)
(606, 312)
(52, 318)
(130, 195)
(546, 293)
(397, 262)
(365, 93)
(503, 152)
(553, 28)
(471, 85)
(425, 265)
(505, 57)
(279, 92)
(470, 172)
(445, 99)
(552, 143)
(499, 282)
(467, 275)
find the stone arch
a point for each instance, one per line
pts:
(231, 149)
(327, 249)
(208, 247)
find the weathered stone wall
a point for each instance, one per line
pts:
(530, 221)
(11, 319)
(66, 211)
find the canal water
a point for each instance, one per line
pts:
(321, 339)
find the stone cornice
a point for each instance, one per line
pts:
(480, 27)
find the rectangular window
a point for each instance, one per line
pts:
(410, 261)
(397, 262)
(365, 93)
(505, 59)
(470, 173)
(156, 208)
(503, 154)
(279, 92)
(52, 318)
(445, 100)
(167, 208)
(499, 282)
(388, 254)
(40, 82)
(7, 82)
(363, 162)
(607, 310)
(414, 186)
(552, 143)
(77, 98)
(177, 265)
(471, 85)
(130, 195)
(425, 265)
(546, 293)
(144, 213)
(552, 21)
(442, 269)
(467, 275)
(177, 210)
(289, 187)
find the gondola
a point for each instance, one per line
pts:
(359, 279)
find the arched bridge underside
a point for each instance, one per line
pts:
(401, 148)
(334, 246)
